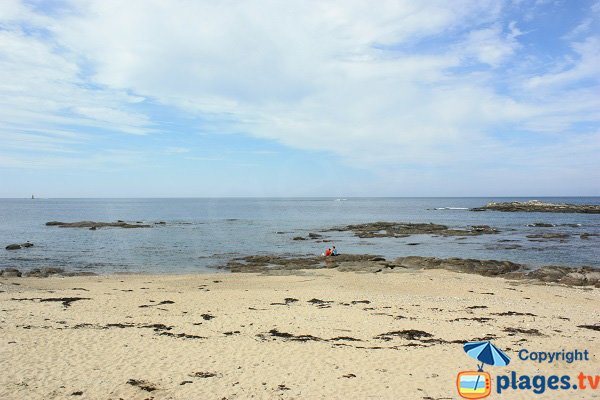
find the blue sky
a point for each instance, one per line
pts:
(299, 98)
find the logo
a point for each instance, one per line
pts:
(474, 384)
(478, 384)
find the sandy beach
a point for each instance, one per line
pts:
(307, 334)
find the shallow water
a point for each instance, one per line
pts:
(201, 234)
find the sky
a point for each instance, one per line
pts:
(157, 98)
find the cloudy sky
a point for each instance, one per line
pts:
(299, 98)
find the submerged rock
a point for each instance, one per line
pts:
(539, 206)
(94, 225)
(549, 236)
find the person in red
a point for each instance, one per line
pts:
(327, 252)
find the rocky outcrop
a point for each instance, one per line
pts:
(260, 263)
(582, 276)
(472, 266)
(403, 229)
(10, 273)
(44, 272)
(95, 225)
(19, 246)
(365, 263)
(539, 206)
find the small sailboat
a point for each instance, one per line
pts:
(32, 197)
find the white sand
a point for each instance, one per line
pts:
(44, 355)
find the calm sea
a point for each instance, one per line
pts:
(201, 234)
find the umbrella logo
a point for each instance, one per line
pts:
(478, 384)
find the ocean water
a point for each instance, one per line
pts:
(202, 234)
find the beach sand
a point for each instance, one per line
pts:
(310, 334)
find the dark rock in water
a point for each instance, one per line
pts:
(586, 236)
(541, 225)
(44, 272)
(549, 236)
(93, 228)
(403, 229)
(79, 273)
(539, 206)
(298, 238)
(17, 246)
(314, 236)
(160, 223)
(10, 273)
(93, 224)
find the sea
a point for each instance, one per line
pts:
(203, 234)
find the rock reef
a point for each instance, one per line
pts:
(539, 206)
(403, 229)
(366, 263)
(93, 225)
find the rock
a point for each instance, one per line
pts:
(19, 246)
(582, 276)
(298, 238)
(586, 236)
(549, 236)
(539, 206)
(10, 273)
(364, 263)
(314, 236)
(403, 229)
(92, 224)
(44, 272)
(93, 228)
(541, 225)
(480, 267)
(262, 263)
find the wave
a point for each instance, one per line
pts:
(451, 208)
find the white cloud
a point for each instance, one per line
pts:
(349, 76)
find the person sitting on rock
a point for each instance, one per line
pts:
(334, 252)
(327, 252)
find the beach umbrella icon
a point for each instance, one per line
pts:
(487, 353)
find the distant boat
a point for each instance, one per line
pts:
(32, 197)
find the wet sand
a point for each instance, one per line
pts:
(307, 334)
